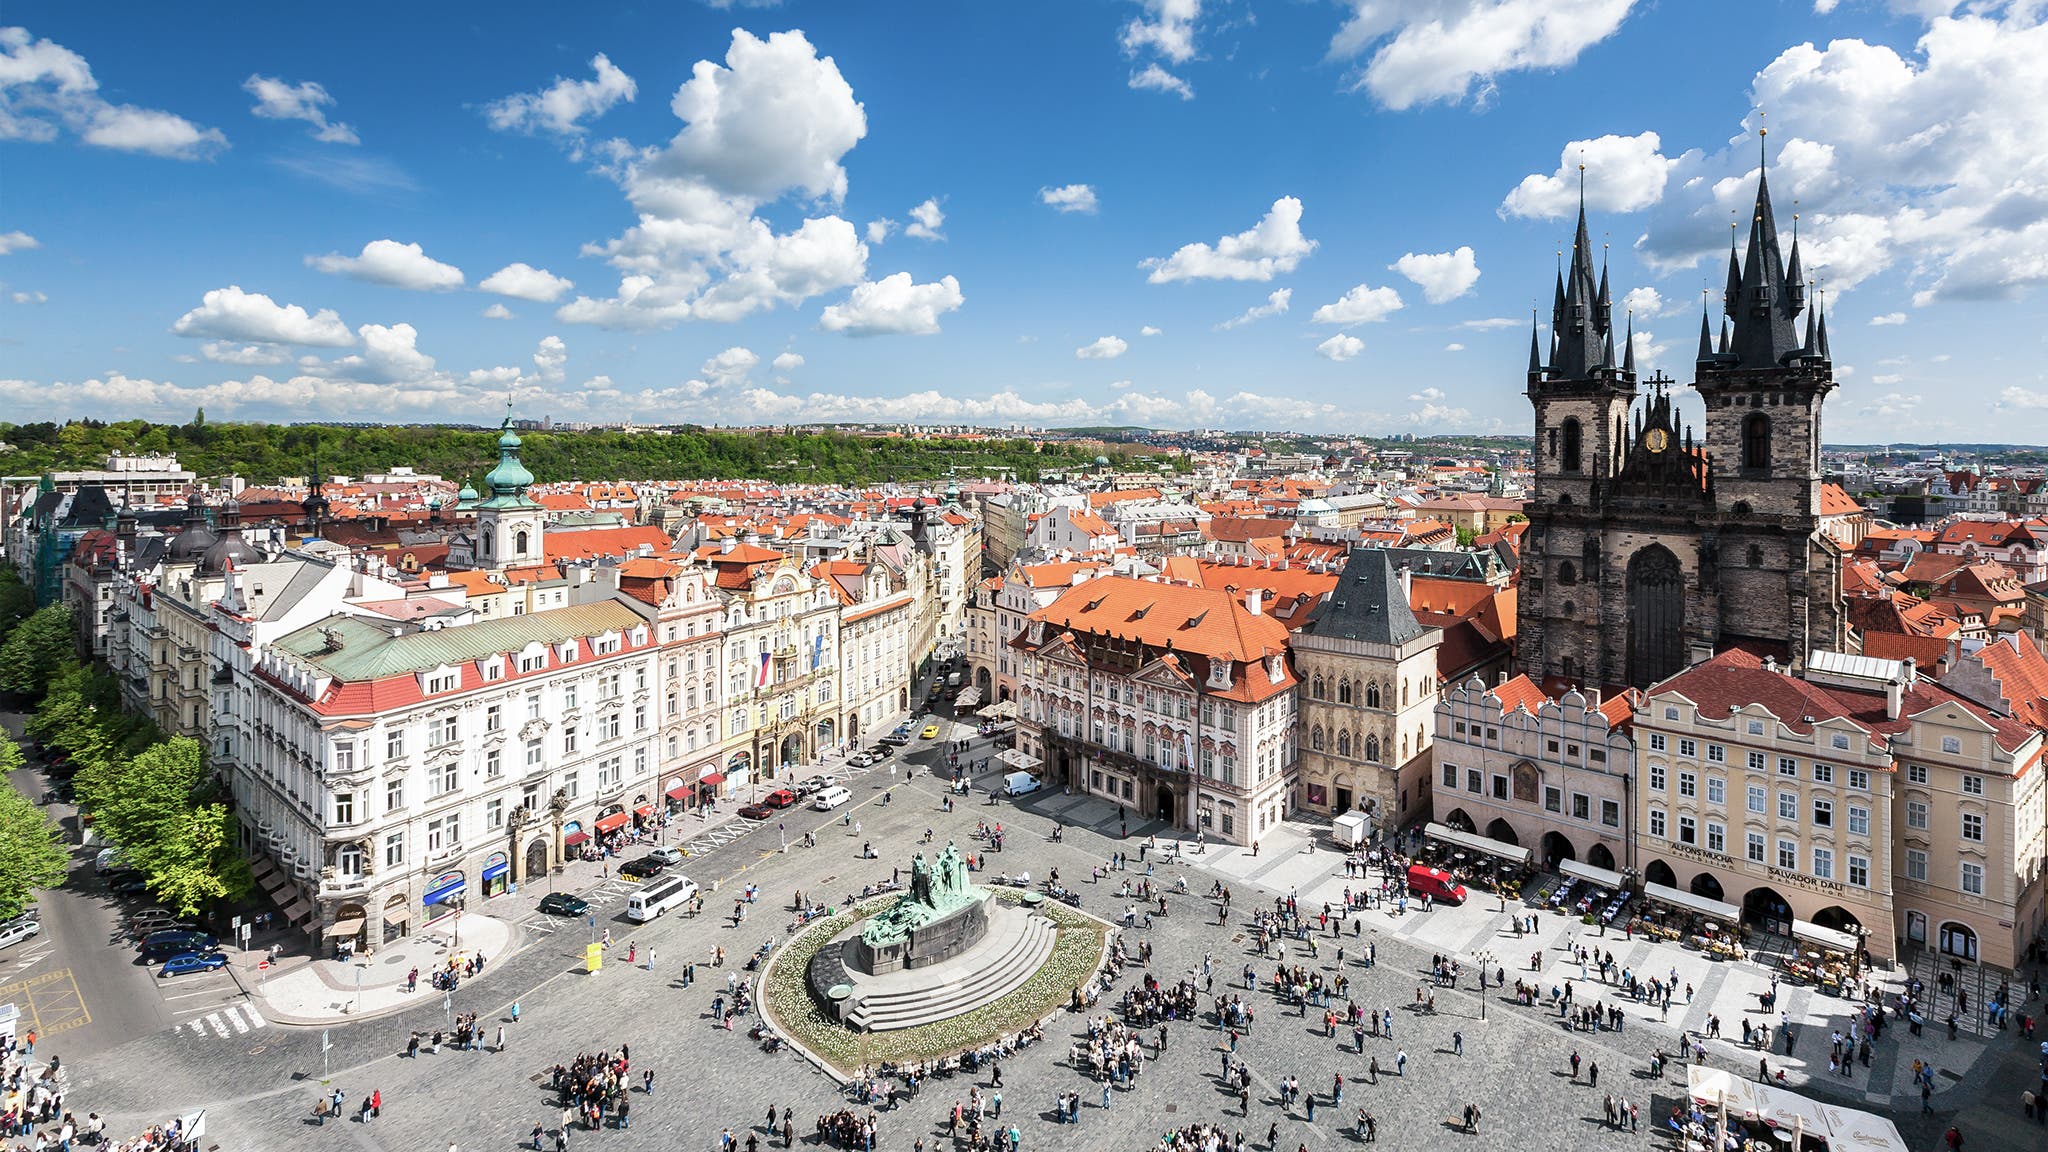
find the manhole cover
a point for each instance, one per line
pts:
(1173, 1107)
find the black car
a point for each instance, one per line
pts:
(158, 947)
(642, 868)
(128, 883)
(563, 904)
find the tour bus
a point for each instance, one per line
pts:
(650, 901)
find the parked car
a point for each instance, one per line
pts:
(643, 867)
(780, 798)
(896, 739)
(861, 760)
(810, 788)
(150, 925)
(128, 884)
(188, 962)
(563, 904)
(667, 855)
(158, 947)
(755, 812)
(17, 930)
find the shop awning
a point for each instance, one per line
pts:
(296, 911)
(1473, 842)
(400, 914)
(346, 927)
(1788, 1111)
(613, 822)
(575, 838)
(276, 882)
(1604, 877)
(1018, 758)
(644, 810)
(711, 779)
(1007, 710)
(445, 892)
(679, 792)
(1713, 909)
(262, 868)
(1828, 938)
(968, 698)
(493, 871)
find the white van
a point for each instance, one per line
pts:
(1020, 784)
(652, 900)
(831, 798)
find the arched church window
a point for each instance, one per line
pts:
(1372, 695)
(1372, 749)
(1343, 691)
(1756, 441)
(1570, 608)
(1756, 556)
(519, 544)
(1567, 573)
(1315, 738)
(1316, 687)
(1572, 438)
(1343, 743)
(1404, 691)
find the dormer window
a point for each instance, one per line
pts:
(606, 644)
(566, 653)
(491, 669)
(1219, 673)
(446, 680)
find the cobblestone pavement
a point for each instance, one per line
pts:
(260, 1086)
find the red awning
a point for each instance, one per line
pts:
(575, 838)
(679, 792)
(612, 822)
(712, 780)
(644, 810)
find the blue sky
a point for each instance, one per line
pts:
(1176, 213)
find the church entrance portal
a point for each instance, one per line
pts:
(1656, 616)
(1165, 809)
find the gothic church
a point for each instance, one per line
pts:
(1649, 548)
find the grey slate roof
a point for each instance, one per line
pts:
(1368, 603)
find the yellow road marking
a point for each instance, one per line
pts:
(50, 990)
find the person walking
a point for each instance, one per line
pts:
(1401, 1062)
(1457, 1043)
(501, 1038)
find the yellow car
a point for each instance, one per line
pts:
(931, 732)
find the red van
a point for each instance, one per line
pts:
(1435, 883)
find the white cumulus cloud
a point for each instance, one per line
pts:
(497, 311)
(788, 361)
(1272, 246)
(1276, 304)
(392, 263)
(1342, 346)
(1148, 330)
(925, 221)
(1645, 303)
(1622, 174)
(1889, 318)
(1442, 276)
(1153, 78)
(46, 89)
(232, 314)
(729, 366)
(1101, 348)
(1069, 198)
(878, 230)
(246, 355)
(522, 281)
(1361, 305)
(17, 241)
(307, 100)
(894, 305)
(561, 108)
(1167, 29)
(1424, 51)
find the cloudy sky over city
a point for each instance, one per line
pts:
(1303, 214)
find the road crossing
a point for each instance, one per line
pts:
(226, 1023)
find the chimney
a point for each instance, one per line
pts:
(1255, 601)
(1894, 697)
(727, 544)
(1912, 671)
(1407, 575)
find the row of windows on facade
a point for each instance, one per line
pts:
(1345, 691)
(1553, 796)
(350, 807)
(1109, 786)
(1571, 750)
(1222, 716)
(1566, 443)
(1215, 765)
(1950, 745)
(1368, 748)
(1970, 875)
(1858, 779)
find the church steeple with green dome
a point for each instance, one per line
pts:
(509, 481)
(509, 523)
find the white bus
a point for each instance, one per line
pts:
(658, 897)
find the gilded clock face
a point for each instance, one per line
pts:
(1656, 439)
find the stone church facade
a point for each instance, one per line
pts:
(1649, 547)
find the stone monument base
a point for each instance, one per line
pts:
(1014, 943)
(941, 939)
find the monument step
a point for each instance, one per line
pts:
(991, 971)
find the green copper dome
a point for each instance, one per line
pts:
(510, 477)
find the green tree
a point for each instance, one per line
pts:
(31, 847)
(35, 650)
(17, 601)
(159, 806)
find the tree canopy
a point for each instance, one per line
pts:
(32, 852)
(35, 649)
(261, 453)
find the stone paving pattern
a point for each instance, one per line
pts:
(1514, 1064)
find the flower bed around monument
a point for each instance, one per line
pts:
(1076, 954)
